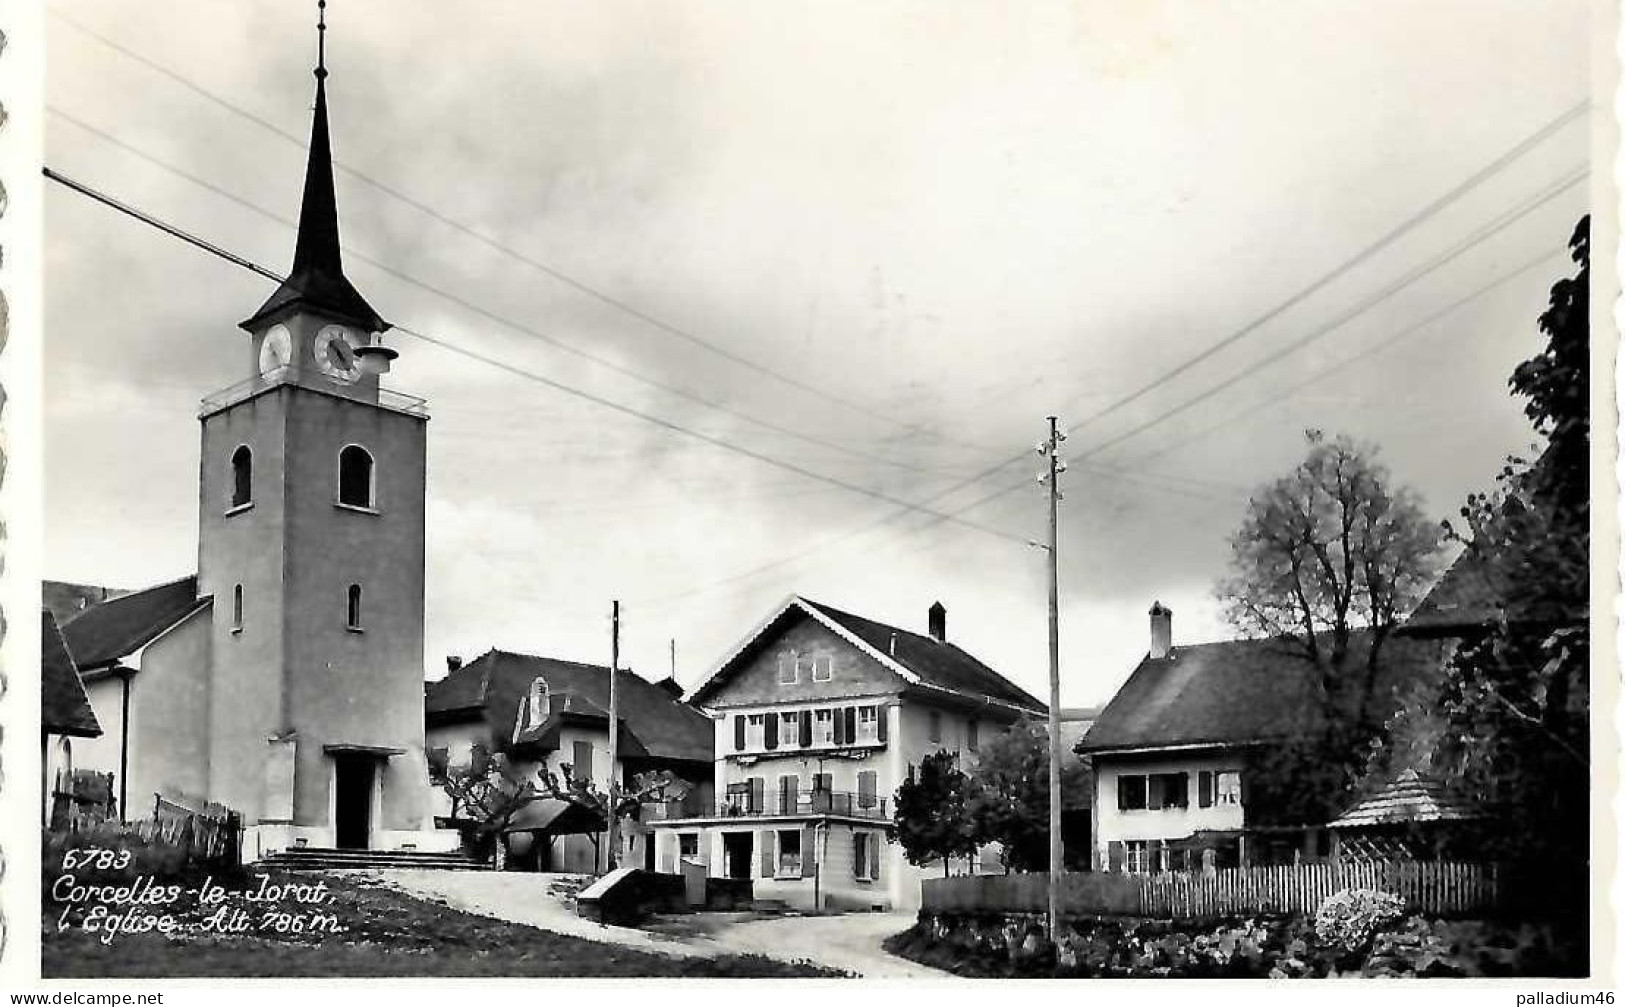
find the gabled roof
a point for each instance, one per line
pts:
(1409, 798)
(64, 707)
(1467, 597)
(117, 628)
(570, 708)
(920, 661)
(1234, 693)
(492, 687)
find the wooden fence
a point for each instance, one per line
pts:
(1437, 887)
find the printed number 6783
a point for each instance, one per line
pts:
(96, 859)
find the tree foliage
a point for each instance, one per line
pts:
(931, 813)
(1514, 702)
(1328, 559)
(1008, 801)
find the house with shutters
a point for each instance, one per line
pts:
(1172, 751)
(544, 713)
(819, 715)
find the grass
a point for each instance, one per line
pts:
(384, 933)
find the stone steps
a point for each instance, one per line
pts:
(311, 858)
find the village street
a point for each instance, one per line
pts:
(851, 941)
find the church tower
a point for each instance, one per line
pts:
(311, 542)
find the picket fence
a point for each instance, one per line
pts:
(1436, 887)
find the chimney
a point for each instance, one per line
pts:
(937, 620)
(453, 662)
(1162, 631)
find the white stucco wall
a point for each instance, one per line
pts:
(1113, 824)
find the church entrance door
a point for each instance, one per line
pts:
(352, 801)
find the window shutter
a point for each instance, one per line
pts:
(839, 727)
(1204, 789)
(739, 733)
(806, 728)
(766, 839)
(807, 866)
(874, 855)
(1122, 793)
(881, 717)
(789, 792)
(851, 724)
(1114, 855)
(758, 793)
(866, 789)
(770, 730)
(1241, 784)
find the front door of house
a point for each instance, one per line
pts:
(736, 850)
(352, 802)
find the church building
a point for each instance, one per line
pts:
(285, 679)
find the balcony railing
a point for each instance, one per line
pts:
(389, 399)
(815, 802)
(692, 806)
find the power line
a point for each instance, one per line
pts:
(1478, 178)
(507, 250)
(1484, 233)
(510, 323)
(1209, 429)
(527, 374)
(1499, 224)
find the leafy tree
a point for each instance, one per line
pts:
(1008, 801)
(931, 813)
(1328, 560)
(1514, 700)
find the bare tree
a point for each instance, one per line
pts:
(1330, 549)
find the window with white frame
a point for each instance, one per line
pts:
(756, 731)
(823, 668)
(1227, 788)
(824, 727)
(868, 723)
(787, 670)
(789, 853)
(865, 856)
(1137, 856)
(789, 730)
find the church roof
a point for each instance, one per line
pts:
(64, 707)
(317, 280)
(118, 627)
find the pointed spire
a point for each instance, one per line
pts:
(317, 279)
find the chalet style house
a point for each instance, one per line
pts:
(1172, 750)
(544, 713)
(819, 716)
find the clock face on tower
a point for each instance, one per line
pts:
(276, 350)
(335, 354)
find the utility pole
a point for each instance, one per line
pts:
(1051, 450)
(612, 836)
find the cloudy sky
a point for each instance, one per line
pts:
(878, 242)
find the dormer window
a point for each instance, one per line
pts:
(537, 703)
(356, 477)
(242, 477)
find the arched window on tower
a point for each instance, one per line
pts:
(242, 476)
(352, 607)
(355, 477)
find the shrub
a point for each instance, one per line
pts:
(1350, 918)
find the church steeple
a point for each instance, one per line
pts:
(317, 280)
